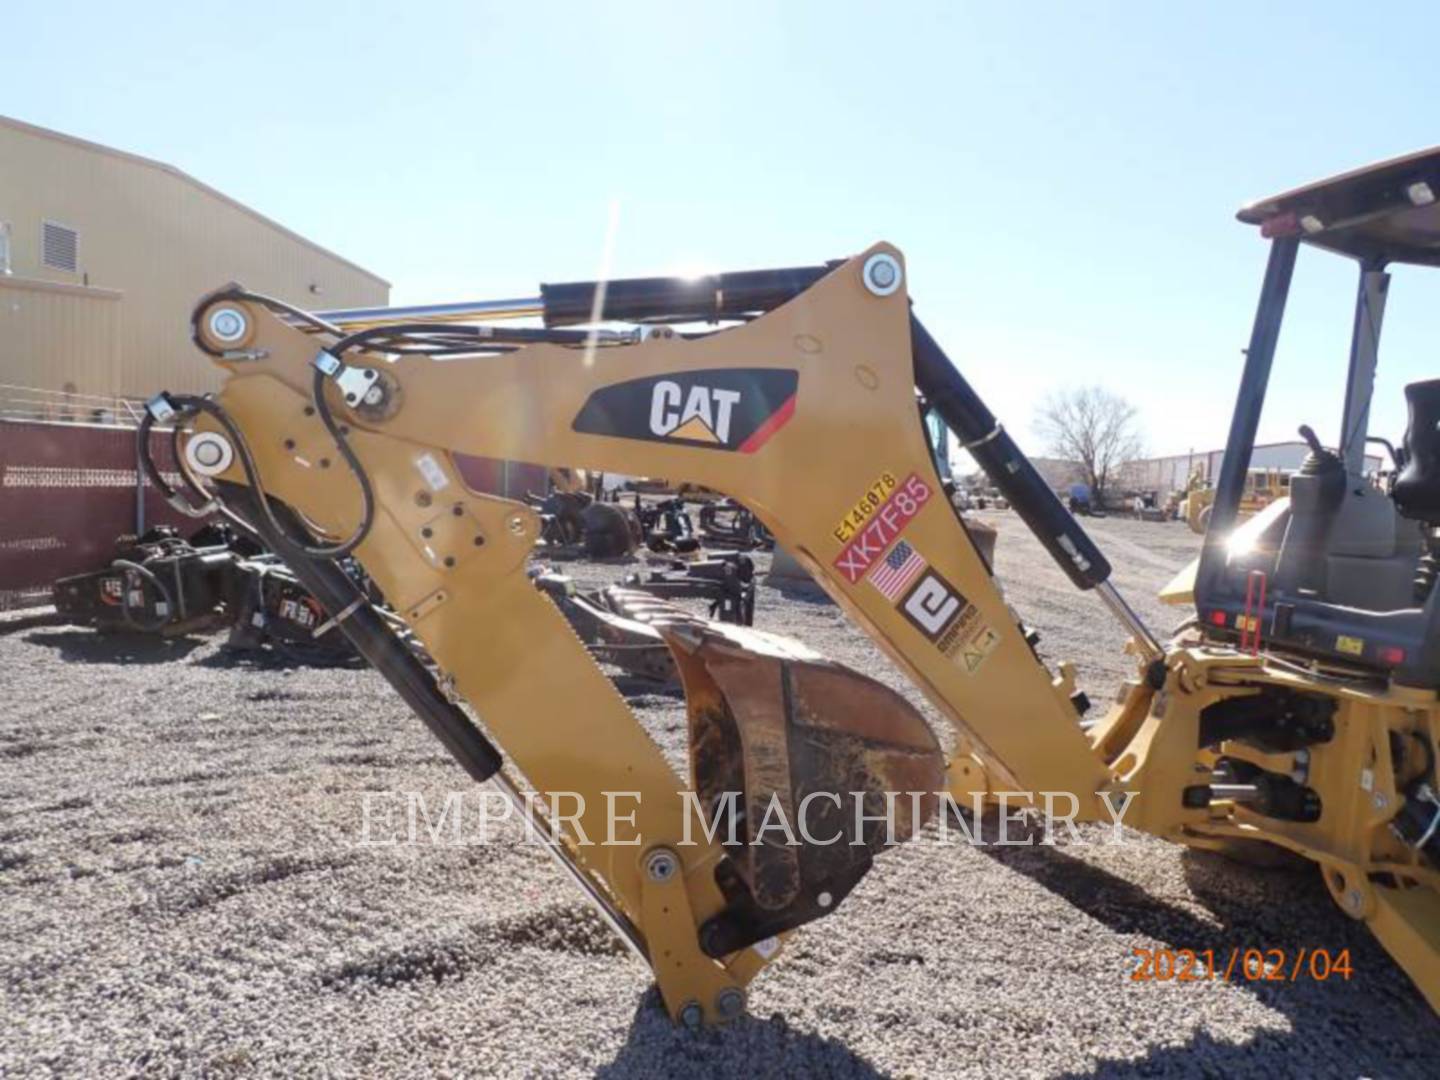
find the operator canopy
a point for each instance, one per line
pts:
(1386, 212)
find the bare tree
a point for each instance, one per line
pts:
(1093, 428)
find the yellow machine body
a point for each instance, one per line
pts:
(839, 470)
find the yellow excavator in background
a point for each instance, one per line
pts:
(1299, 709)
(1262, 487)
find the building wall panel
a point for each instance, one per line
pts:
(163, 240)
(56, 337)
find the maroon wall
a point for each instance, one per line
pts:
(68, 490)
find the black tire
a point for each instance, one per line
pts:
(607, 531)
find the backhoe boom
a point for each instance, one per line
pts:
(338, 435)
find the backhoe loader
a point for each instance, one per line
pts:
(1299, 708)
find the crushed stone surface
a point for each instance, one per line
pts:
(183, 892)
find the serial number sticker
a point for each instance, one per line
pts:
(431, 471)
(886, 523)
(1353, 645)
(856, 517)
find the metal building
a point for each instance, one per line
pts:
(103, 255)
(1171, 473)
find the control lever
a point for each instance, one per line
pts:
(1312, 440)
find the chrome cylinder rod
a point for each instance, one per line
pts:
(462, 312)
(1122, 611)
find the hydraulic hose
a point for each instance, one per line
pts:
(153, 474)
(155, 583)
(379, 337)
(283, 541)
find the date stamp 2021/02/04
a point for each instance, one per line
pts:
(1239, 964)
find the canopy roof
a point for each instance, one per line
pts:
(1386, 212)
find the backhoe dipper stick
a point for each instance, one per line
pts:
(377, 642)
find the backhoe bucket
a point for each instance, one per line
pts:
(804, 768)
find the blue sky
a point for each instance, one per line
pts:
(1062, 177)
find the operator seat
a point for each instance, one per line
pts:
(1417, 488)
(1351, 567)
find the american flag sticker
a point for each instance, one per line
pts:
(891, 574)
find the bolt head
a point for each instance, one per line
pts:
(661, 865)
(228, 324)
(692, 1016)
(1380, 800)
(882, 274)
(730, 1004)
(375, 395)
(209, 454)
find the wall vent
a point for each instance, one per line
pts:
(59, 247)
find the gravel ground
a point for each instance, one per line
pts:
(183, 893)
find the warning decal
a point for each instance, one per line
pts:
(940, 611)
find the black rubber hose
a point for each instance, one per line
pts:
(436, 345)
(481, 335)
(156, 584)
(282, 538)
(191, 484)
(152, 471)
